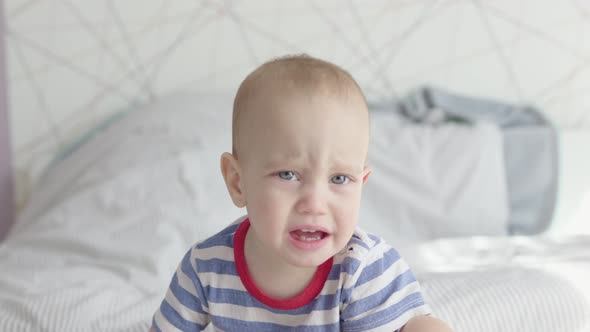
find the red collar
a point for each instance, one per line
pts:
(306, 296)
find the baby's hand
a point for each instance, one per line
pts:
(426, 324)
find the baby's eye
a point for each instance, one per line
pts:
(288, 175)
(340, 179)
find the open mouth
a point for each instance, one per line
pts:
(308, 235)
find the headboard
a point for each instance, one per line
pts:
(6, 201)
(73, 63)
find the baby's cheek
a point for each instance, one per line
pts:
(269, 204)
(347, 214)
(348, 199)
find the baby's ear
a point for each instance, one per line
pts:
(366, 172)
(230, 169)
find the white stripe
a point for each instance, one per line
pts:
(186, 282)
(215, 280)
(381, 281)
(253, 314)
(377, 252)
(219, 252)
(331, 287)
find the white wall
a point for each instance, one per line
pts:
(71, 62)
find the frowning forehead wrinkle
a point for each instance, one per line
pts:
(301, 75)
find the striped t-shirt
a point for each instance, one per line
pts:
(365, 287)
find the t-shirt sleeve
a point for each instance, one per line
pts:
(184, 307)
(383, 294)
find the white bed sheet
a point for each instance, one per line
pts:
(507, 284)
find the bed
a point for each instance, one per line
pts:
(101, 236)
(116, 168)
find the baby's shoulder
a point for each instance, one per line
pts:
(368, 257)
(364, 249)
(218, 247)
(223, 238)
(364, 245)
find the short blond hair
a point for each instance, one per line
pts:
(301, 72)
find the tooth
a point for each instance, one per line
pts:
(311, 238)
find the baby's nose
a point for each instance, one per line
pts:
(312, 200)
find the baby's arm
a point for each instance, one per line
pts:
(184, 305)
(425, 324)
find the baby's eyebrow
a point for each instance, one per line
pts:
(345, 162)
(332, 167)
(278, 163)
(349, 169)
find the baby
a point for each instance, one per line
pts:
(297, 261)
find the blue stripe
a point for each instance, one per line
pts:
(377, 299)
(185, 297)
(189, 271)
(349, 266)
(155, 326)
(223, 238)
(335, 272)
(346, 295)
(244, 299)
(226, 240)
(386, 315)
(217, 266)
(175, 319)
(230, 324)
(375, 238)
(229, 229)
(377, 268)
(358, 241)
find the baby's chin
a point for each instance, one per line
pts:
(310, 260)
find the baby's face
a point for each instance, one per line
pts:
(303, 166)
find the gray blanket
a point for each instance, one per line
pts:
(530, 148)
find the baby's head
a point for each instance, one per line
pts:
(291, 77)
(300, 141)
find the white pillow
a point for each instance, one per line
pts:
(190, 130)
(434, 181)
